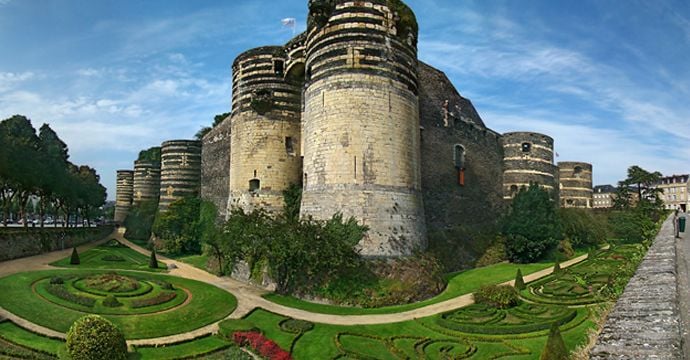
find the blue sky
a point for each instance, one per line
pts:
(609, 80)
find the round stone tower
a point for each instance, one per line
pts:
(147, 181)
(125, 194)
(575, 184)
(265, 130)
(528, 158)
(361, 121)
(180, 171)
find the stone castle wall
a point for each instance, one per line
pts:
(17, 243)
(361, 125)
(215, 167)
(265, 134)
(575, 184)
(180, 171)
(478, 202)
(528, 158)
(124, 195)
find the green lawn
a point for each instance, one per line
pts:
(95, 259)
(190, 349)
(208, 305)
(460, 283)
(17, 335)
(198, 261)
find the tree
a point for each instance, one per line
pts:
(532, 225)
(178, 226)
(519, 281)
(74, 260)
(93, 337)
(153, 262)
(555, 346)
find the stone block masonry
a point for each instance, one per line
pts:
(645, 323)
(125, 194)
(17, 243)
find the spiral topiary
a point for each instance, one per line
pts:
(93, 337)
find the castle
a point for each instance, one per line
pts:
(347, 111)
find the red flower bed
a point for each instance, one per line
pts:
(265, 347)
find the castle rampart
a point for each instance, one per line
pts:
(361, 122)
(180, 171)
(528, 158)
(147, 181)
(125, 194)
(265, 130)
(575, 184)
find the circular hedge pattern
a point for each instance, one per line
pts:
(160, 305)
(90, 294)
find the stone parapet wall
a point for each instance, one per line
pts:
(19, 243)
(645, 323)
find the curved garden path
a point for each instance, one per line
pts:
(248, 297)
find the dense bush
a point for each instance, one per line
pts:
(93, 337)
(111, 301)
(499, 296)
(532, 225)
(161, 298)
(265, 347)
(494, 254)
(178, 227)
(62, 293)
(458, 246)
(140, 220)
(582, 228)
(74, 259)
(632, 226)
(555, 346)
(56, 280)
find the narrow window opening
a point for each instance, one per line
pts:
(526, 147)
(355, 167)
(279, 67)
(254, 185)
(513, 190)
(289, 145)
(459, 160)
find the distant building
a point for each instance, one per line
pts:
(603, 196)
(675, 192)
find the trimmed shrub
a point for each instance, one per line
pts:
(93, 337)
(557, 268)
(227, 328)
(296, 326)
(153, 262)
(74, 260)
(499, 296)
(62, 293)
(555, 347)
(111, 301)
(161, 298)
(56, 280)
(519, 281)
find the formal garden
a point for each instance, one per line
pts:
(123, 295)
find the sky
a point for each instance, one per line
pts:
(608, 80)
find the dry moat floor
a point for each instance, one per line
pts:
(189, 313)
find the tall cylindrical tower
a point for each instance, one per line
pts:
(575, 184)
(361, 121)
(528, 158)
(124, 196)
(147, 181)
(180, 171)
(265, 130)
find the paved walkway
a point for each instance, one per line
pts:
(248, 297)
(645, 323)
(683, 267)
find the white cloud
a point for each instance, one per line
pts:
(10, 79)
